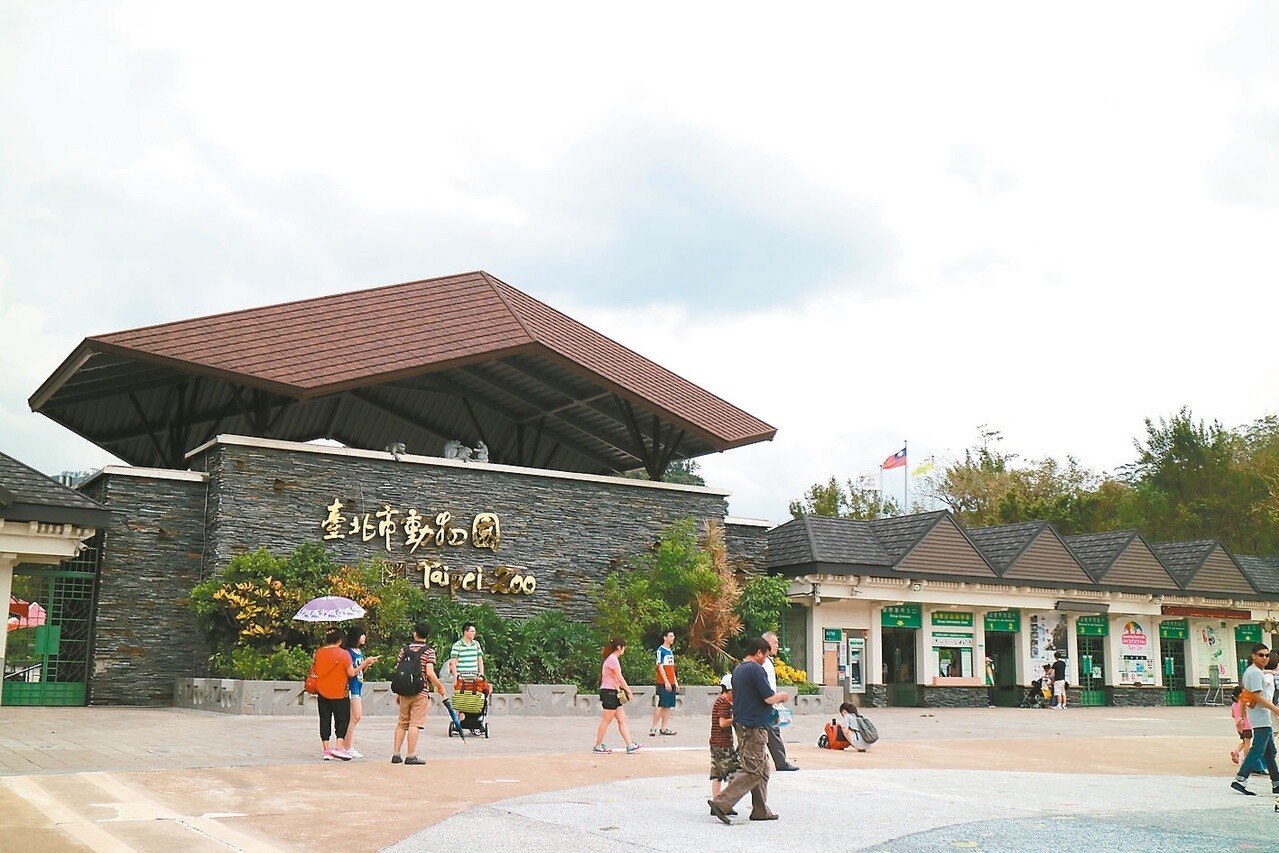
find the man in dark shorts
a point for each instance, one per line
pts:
(753, 701)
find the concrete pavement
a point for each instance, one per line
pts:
(981, 779)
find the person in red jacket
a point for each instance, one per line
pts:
(333, 670)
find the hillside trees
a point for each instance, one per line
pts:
(1189, 480)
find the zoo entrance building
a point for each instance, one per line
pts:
(483, 441)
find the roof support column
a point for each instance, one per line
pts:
(7, 561)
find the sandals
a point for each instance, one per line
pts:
(1234, 756)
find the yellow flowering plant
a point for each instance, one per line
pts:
(787, 674)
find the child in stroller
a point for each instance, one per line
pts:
(471, 703)
(1039, 695)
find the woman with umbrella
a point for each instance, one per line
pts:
(333, 670)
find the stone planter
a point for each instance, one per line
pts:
(287, 698)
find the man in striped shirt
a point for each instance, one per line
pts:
(466, 660)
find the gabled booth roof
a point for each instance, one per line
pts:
(464, 357)
(838, 544)
(1262, 572)
(1203, 565)
(1029, 551)
(1123, 559)
(933, 545)
(925, 545)
(28, 495)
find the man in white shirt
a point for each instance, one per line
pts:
(1260, 705)
(776, 748)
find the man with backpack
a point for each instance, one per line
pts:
(414, 669)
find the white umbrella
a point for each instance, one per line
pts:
(329, 608)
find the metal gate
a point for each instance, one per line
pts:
(1092, 672)
(901, 689)
(47, 659)
(1172, 652)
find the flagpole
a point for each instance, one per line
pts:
(906, 480)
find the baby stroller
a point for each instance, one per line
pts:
(471, 702)
(1035, 697)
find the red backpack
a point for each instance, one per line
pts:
(833, 738)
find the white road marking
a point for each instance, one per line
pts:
(64, 819)
(131, 801)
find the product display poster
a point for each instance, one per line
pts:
(1211, 649)
(1136, 654)
(1047, 637)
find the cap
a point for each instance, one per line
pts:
(727, 682)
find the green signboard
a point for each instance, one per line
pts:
(832, 635)
(951, 619)
(1003, 621)
(1248, 634)
(902, 616)
(1092, 626)
(1174, 629)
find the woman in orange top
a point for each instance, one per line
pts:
(333, 667)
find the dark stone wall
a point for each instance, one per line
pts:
(144, 634)
(747, 547)
(1138, 697)
(567, 533)
(954, 697)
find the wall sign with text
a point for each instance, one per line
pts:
(410, 529)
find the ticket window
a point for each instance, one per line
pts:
(950, 662)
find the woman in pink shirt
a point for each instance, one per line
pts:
(612, 689)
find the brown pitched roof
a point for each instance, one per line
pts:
(479, 338)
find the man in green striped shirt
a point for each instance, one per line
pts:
(466, 660)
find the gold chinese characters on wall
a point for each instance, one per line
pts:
(411, 529)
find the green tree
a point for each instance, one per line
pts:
(988, 487)
(858, 500)
(682, 471)
(655, 591)
(1196, 480)
(762, 602)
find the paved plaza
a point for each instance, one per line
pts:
(1149, 779)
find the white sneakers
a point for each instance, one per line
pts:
(341, 754)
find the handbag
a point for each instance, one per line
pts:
(311, 683)
(624, 695)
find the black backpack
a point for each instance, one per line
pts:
(408, 680)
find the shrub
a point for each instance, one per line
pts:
(761, 604)
(280, 664)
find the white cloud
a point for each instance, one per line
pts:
(861, 223)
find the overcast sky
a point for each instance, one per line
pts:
(863, 223)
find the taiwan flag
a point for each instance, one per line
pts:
(897, 460)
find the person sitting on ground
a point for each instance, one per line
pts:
(850, 726)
